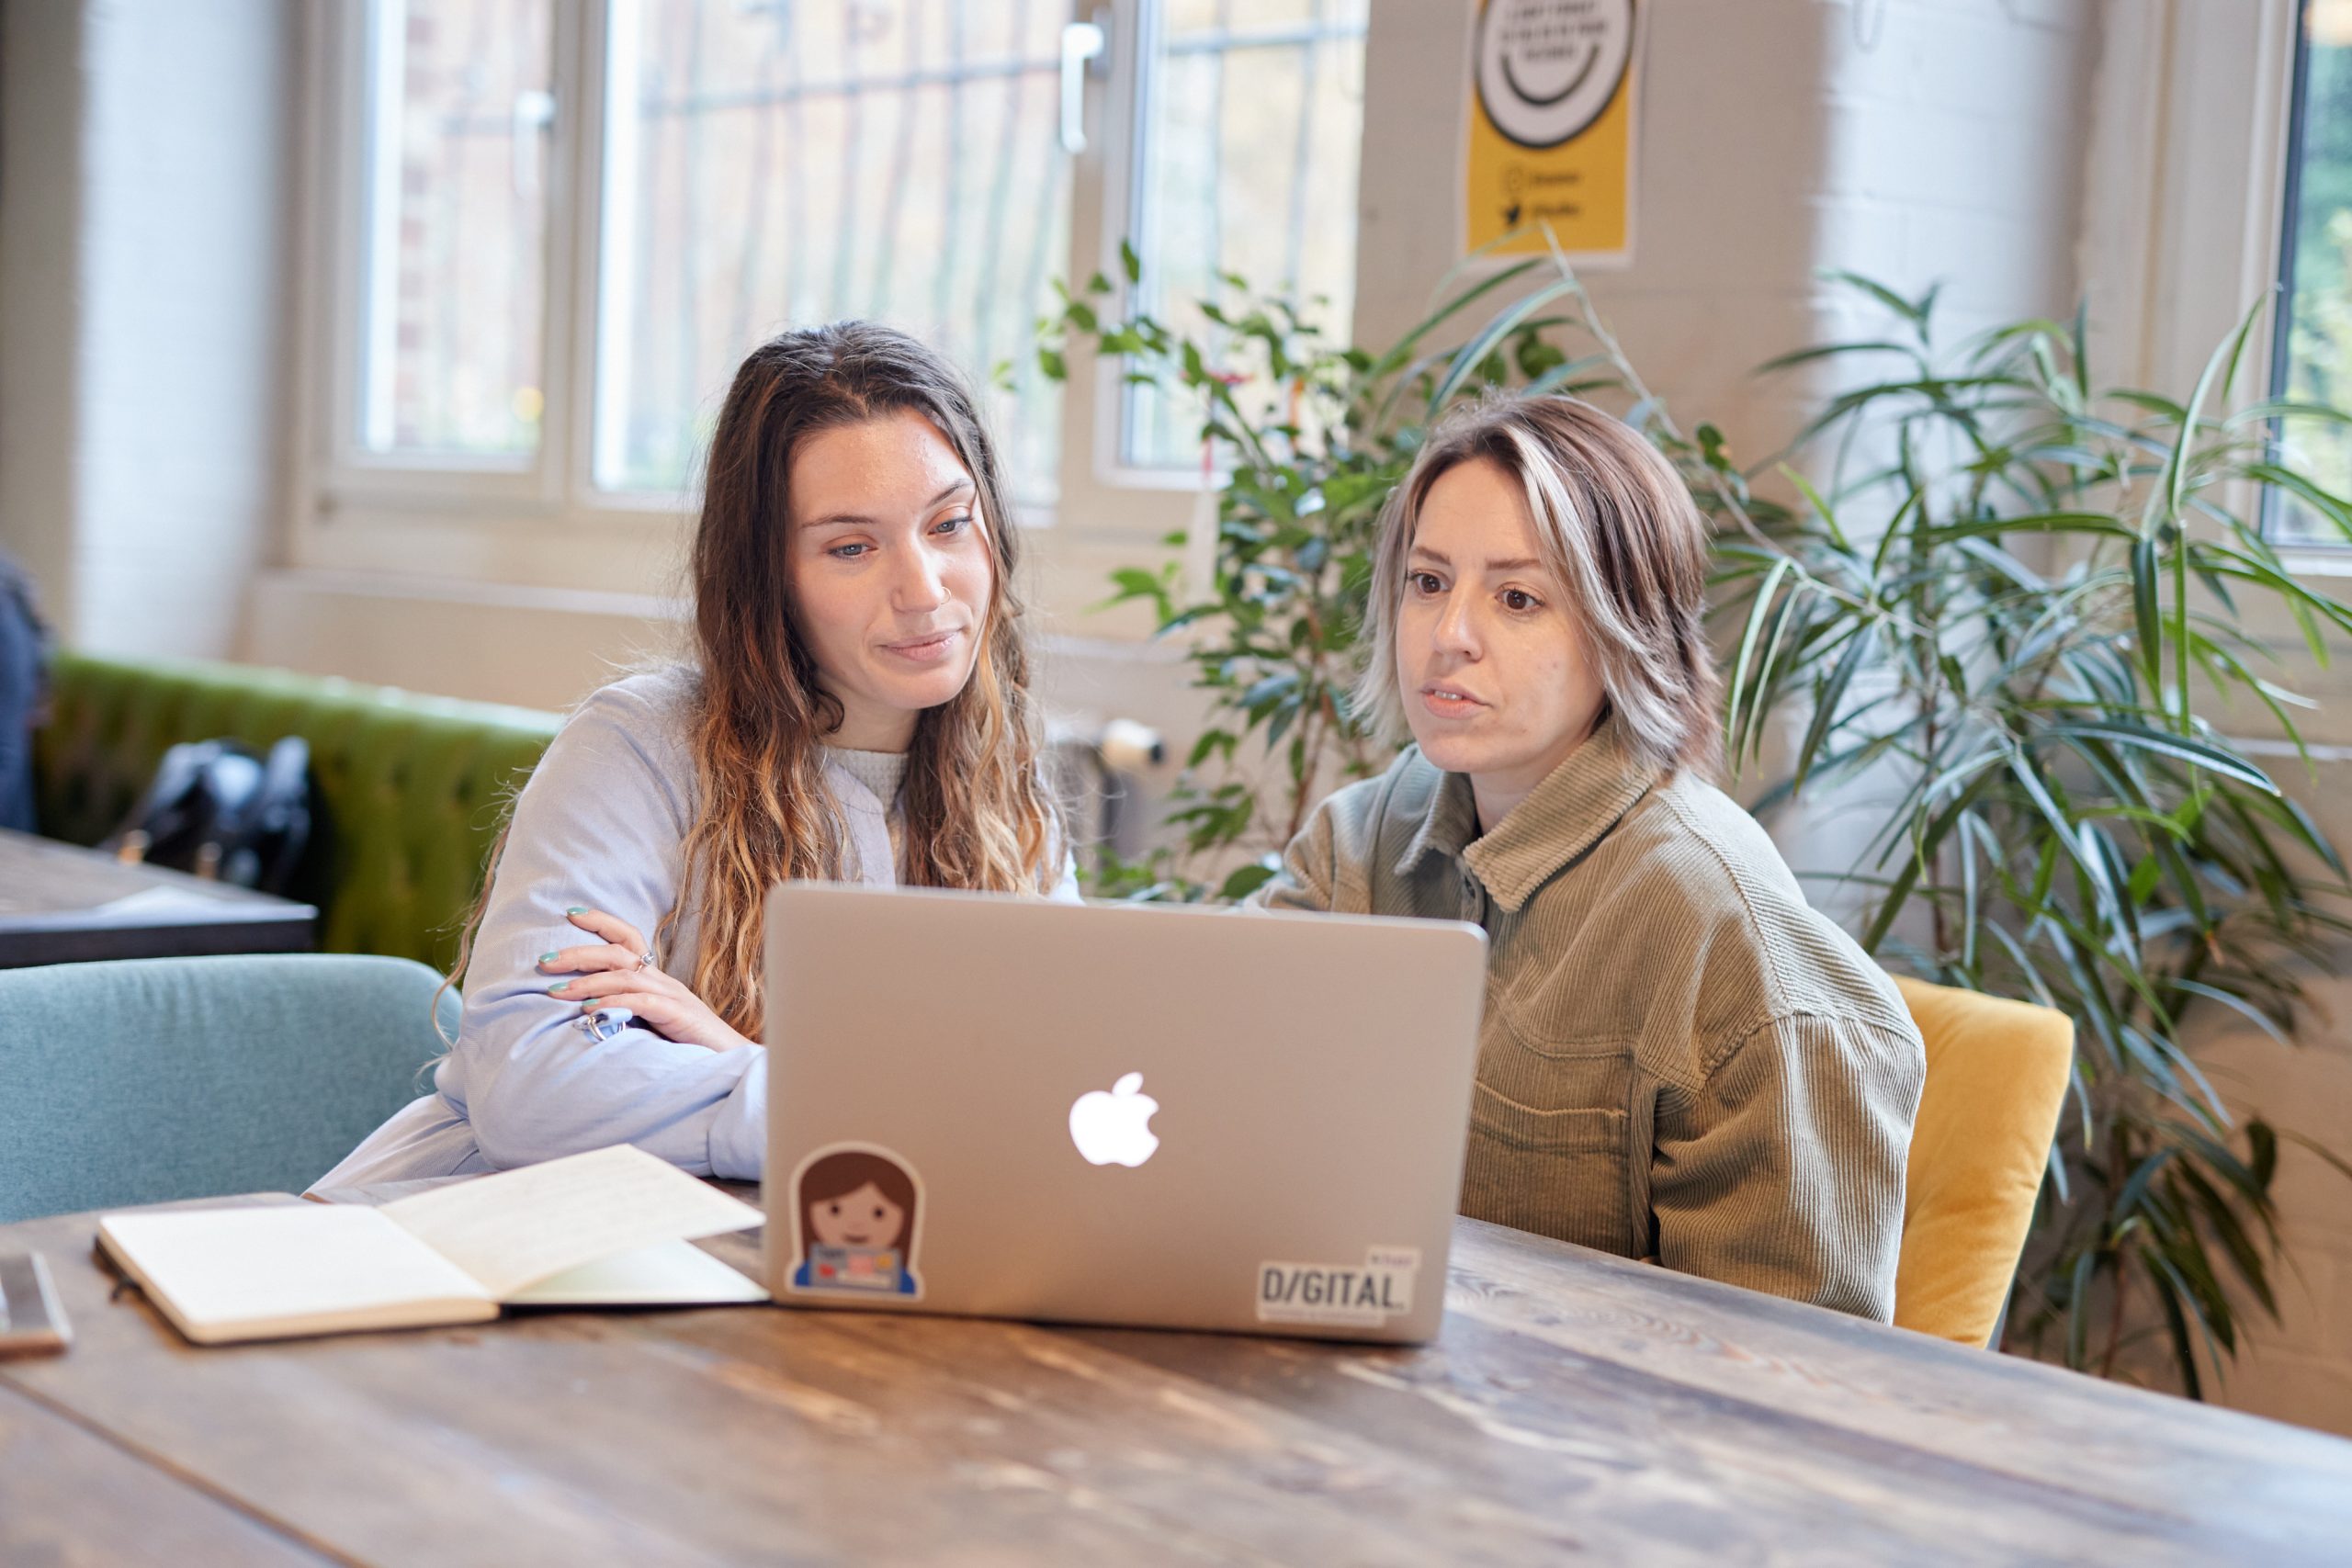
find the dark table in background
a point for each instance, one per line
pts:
(1577, 1408)
(64, 904)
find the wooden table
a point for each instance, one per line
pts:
(63, 904)
(1577, 1407)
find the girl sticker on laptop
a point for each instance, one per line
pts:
(856, 1212)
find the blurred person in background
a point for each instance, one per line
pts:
(24, 691)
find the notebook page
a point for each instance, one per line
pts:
(669, 1273)
(519, 1227)
(224, 1274)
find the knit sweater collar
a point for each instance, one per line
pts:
(881, 772)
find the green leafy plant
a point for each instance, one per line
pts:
(2021, 598)
(2006, 597)
(1315, 435)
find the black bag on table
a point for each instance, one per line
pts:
(218, 810)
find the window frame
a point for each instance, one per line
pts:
(1150, 39)
(473, 518)
(546, 522)
(2193, 124)
(2185, 221)
(1112, 509)
(1103, 497)
(2279, 350)
(349, 474)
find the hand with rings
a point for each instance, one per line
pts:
(619, 971)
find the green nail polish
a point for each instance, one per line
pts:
(559, 986)
(547, 957)
(577, 909)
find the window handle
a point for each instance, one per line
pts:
(534, 112)
(1081, 41)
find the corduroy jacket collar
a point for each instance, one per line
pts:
(1567, 815)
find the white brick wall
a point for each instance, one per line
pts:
(1911, 140)
(141, 428)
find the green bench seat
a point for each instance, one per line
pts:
(412, 787)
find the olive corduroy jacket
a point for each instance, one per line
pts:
(1679, 1059)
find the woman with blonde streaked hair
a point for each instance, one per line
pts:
(858, 710)
(1680, 1060)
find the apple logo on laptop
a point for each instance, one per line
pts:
(1112, 1128)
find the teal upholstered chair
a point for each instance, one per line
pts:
(158, 1078)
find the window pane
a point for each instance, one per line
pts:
(772, 164)
(2316, 364)
(1252, 123)
(455, 265)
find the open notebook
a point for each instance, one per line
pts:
(614, 1227)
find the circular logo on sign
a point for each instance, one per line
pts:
(1547, 68)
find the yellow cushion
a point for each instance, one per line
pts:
(1997, 1080)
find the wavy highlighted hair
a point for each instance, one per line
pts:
(976, 811)
(1617, 529)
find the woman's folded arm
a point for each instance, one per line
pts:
(600, 825)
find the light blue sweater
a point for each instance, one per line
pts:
(602, 823)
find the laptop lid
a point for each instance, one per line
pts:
(1133, 1114)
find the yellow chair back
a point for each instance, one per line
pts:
(1997, 1072)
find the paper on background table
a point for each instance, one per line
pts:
(156, 900)
(520, 1226)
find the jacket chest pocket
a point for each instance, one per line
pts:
(1560, 1173)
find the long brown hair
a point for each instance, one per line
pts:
(839, 1174)
(974, 811)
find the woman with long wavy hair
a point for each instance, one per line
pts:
(859, 710)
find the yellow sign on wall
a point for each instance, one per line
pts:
(1551, 136)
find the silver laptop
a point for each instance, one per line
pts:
(1117, 1113)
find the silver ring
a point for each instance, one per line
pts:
(645, 960)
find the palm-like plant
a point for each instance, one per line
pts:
(2010, 592)
(2023, 607)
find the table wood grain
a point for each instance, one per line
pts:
(64, 904)
(1577, 1407)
